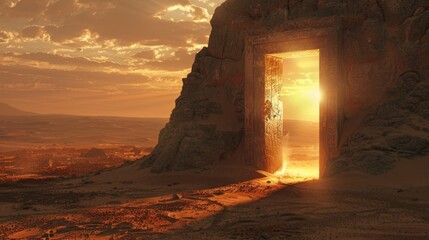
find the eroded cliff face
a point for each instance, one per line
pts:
(206, 125)
(385, 82)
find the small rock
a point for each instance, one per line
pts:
(400, 190)
(124, 225)
(264, 235)
(218, 192)
(87, 181)
(173, 184)
(26, 207)
(268, 181)
(177, 196)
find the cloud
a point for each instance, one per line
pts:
(131, 104)
(181, 59)
(132, 21)
(55, 59)
(87, 93)
(23, 8)
(146, 54)
(57, 10)
(180, 12)
(56, 51)
(66, 78)
(5, 36)
(32, 32)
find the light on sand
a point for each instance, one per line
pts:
(296, 171)
(285, 154)
(282, 171)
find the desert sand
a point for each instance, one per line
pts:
(219, 202)
(223, 201)
(48, 146)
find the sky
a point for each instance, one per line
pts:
(301, 95)
(99, 57)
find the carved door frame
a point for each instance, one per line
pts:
(328, 41)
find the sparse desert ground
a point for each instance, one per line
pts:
(220, 202)
(47, 146)
(48, 162)
(25, 132)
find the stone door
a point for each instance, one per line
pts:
(273, 113)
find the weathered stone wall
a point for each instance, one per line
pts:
(385, 82)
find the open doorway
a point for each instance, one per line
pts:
(299, 98)
(267, 63)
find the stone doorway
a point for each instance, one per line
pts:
(292, 81)
(264, 133)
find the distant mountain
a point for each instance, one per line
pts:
(7, 110)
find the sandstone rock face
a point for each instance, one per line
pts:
(385, 78)
(396, 129)
(205, 125)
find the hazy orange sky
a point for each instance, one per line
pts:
(99, 57)
(301, 93)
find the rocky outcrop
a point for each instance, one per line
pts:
(396, 129)
(385, 77)
(205, 126)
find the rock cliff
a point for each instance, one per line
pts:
(385, 83)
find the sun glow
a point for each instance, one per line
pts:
(316, 95)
